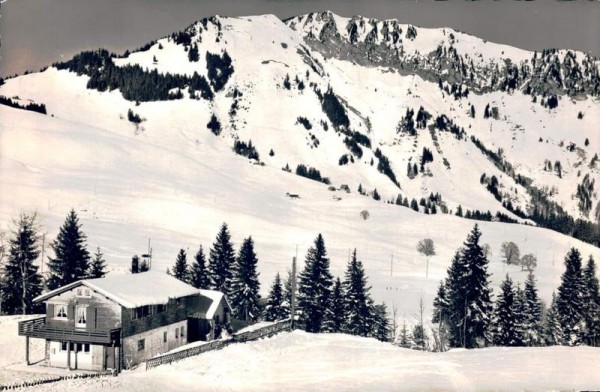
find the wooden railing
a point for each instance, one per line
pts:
(258, 333)
(39, 328)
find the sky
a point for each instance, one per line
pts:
(36, 33)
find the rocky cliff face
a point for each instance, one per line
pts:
(442, 55)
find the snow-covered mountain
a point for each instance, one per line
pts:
(141, 145)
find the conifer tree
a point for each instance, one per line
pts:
(275, 310)
(21, 279)
(504, 326)
(198, 271)
(520, 313)
(287, 293)
(440, 304)
(357, 301)
(552, 330)
(457, 301)
(245, 287)
(97, 266)
(221, 261)
(334, 315)
(180, 269)
(403, 339)
(469, 303)
(477, 291)
(71, 261)
(533, 313)
(592, 303)
(420, 340)
(569, 301)
(380, 328)
(315, 286)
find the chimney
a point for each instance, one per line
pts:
(135, 262)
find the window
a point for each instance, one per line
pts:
(141, 312)
(165, 337)
(60, 311)
(86, 348)
(63, 346)
(182, 330)
(83, 292)
(141, 344)
(176, 333)
(160, 308)
(80, 316)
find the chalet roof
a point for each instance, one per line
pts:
(209, 303)
(133, 290)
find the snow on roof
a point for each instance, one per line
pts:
(207, 310)
(133, 290)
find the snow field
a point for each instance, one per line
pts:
(299, 361)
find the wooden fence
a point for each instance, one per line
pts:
(266, 331)
(49, 379)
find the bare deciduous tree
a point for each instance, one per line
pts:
(510, 253)
(528, 262)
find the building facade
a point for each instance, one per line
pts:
(120, 321)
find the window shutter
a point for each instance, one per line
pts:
(49, 310)
(89, 318)
(71, 311)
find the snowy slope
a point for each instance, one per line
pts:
(170, 179)
(129, 188)
(321, 362)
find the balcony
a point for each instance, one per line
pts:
(38, 328)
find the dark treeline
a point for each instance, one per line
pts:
(136, 83)
(32, 106)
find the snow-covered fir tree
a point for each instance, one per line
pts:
(592, 303)
(533, 313)
(440, 305)
(275, 310)
(569, 300)
(335, 315)
(504, 326)
(315, 286)
(198, 271)
(468, 293)
(97, 266)
(71, 260)
(419, 338)
(357, 301)
(380, 328)
(456, 311)
(403, 338)
(520, 312)
(245, 287)
(553, 334)
(21, 280)
(478, 293)
(220, 263)
(180, 268)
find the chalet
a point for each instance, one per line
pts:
(119, 321)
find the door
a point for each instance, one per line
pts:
(81, 356)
